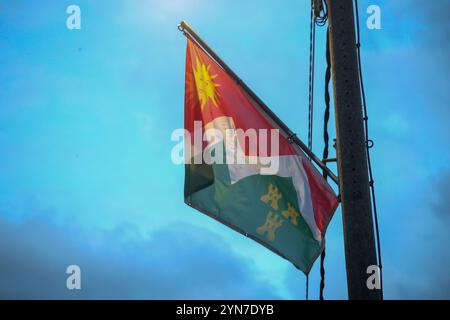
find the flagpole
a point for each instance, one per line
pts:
(359, 243)
(189, 32)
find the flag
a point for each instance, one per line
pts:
(244, 172)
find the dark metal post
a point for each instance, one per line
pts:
(359, 241)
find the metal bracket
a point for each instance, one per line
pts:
(290, 138)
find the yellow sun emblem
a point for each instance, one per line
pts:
(206, 87)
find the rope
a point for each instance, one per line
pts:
(369, 144)
(319, 17)
(321, 13)
(322, 274)
(325, 150)
(307, 287)
(312, 48)
(326, 136)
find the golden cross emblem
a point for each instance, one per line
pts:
(273, 219)
(291, 214)
(273, 222)
(272, 196)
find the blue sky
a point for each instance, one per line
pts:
(86, 176)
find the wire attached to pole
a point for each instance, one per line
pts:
(307, 287)
(369, 144)
(312, 49)
(326, 139)
(319, 16)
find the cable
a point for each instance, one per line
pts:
(322, 13)
(368, 146)
(312, 45)
(326, 119)
(325, 149)
(319, 16)
(322, 274)
(307, 287)
(312, 48)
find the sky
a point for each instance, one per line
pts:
(86, 176)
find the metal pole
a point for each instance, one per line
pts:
(187, 30)
(359, 241)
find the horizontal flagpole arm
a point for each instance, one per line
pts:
(187, 31)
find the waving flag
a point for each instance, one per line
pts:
(244, 172)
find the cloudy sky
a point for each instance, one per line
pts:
(85, 171)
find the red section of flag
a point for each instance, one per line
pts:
(323, 198)
(220, 95)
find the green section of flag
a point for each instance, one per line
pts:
(254, 207)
